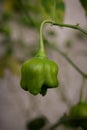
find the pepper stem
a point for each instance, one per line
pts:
(42, 50)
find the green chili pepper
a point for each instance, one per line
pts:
(79, 110)
(38, 74)
(78, 115)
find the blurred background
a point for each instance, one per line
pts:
(19, 40)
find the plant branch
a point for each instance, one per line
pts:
(77, 27)
(69, 60)
(41, 34)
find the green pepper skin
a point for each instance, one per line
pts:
(78, 115)
(38, 74)
(79, 110)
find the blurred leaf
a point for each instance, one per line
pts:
(84, 4)
(68, 43)
(8, 5)
(2, 66)
(71, 122)
(9, 62)
(74, 122)
(51, 33)
(6, 16)
(5, 29)
(34, 14)
(31, 13)
(13, 65)
(48, 9)
(37, 123)
(27, 21)
(1, 71)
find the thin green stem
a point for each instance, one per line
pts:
(69, 60)
(82, 88)
(41, 34)
(77, 27)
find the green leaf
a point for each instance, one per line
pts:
(39, 10)
(73, 122)
(13, 65)
(51, 10)
(84, 4)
